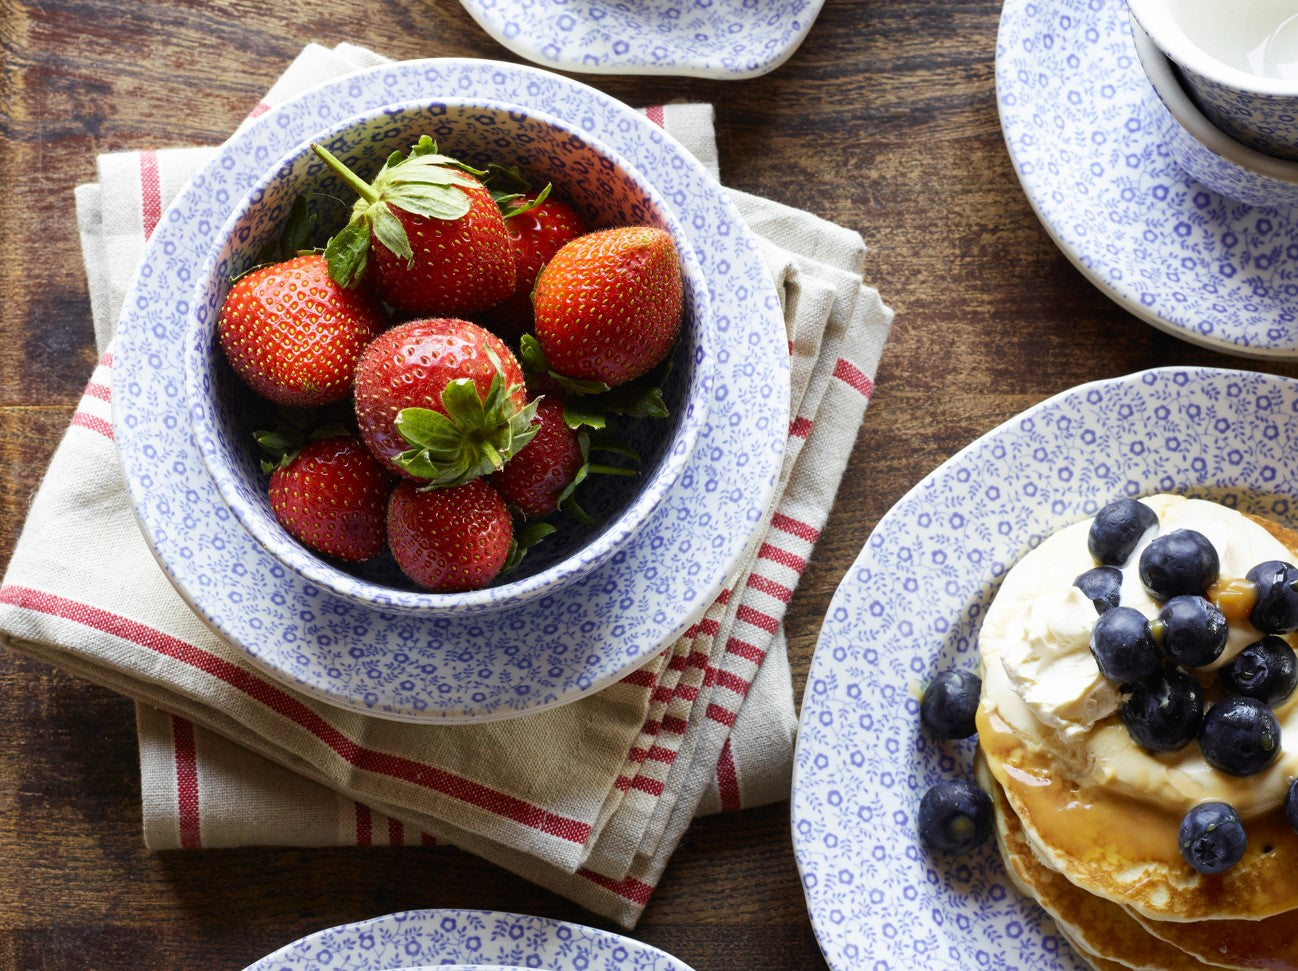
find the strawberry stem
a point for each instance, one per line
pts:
(363, 188)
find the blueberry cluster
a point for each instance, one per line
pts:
(1164, 705)
(954, 815)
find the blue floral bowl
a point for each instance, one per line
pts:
(601, 185)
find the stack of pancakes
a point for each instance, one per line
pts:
(1107, 867)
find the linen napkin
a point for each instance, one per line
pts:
(588, 799)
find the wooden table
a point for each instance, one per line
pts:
(885, 121)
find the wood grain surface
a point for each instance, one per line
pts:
(884, 121)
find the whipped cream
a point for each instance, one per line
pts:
(1039, 674)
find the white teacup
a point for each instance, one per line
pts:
(1238, 60)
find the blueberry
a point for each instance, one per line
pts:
(1117, 529)
(1212, 838)
(1266, 670)
(1163, 712)
(1239, 736)
(1191, 630)
(1291, 805)
(1276, 609)
(1122, 646)
(1103, 585)
(1182, 561)
(955, 816)
(949, 704)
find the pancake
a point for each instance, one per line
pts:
(1077, 821)
(1270, 943)
(1102, 932)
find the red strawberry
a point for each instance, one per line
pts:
(449, 539)
(608, 305)
(442, 400)
(430, 232)
(293, 334)
(537, 231)
(332, 495)
(535, 478)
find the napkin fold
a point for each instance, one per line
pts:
(589, 799)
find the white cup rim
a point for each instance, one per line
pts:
(1159, 22)
(1162, 76)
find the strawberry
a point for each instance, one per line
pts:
(332, 495)
(608, 305)
(442, 400)
(538, 228)
(452, 539)
(535, 478)
(430, 233)
(294, 335)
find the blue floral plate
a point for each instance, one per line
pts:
(911, 606)
(554, 648)
(722, 39)
(479, 939)
(1073, 107)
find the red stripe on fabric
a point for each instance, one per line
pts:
(396, 833)
(628, 888)
(260, 109)
(800, 427)
(182, 737)
(769, 587)
(641, 783)
(728, 780)
(675, 726)
(286, 706)
(724, 596)
(695, 659)
(687, 691)
(93, 422)
(782, 557)
(364, 825)
(655, 753)
(663, 694)
(750, 652)
(656, 115)
(100, 391)
(723, 715)
(795, 527)
(641, 679)
(427, 839)
(106, 360)
(750, 615)
(733, 682)
(853, 377)
(150, 192)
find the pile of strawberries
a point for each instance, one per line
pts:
(456, 434)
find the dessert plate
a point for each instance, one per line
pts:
(723, 39)
(479, 939)
(1072, 98)
(552, 649)
(911, 605)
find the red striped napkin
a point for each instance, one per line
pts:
(588, 799)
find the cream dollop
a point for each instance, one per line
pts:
(1040, 676)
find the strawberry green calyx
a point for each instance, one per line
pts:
(599, 441)
(475, 437)
(524, 539)
(424, 182)
(589, 403)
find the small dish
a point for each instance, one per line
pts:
(605, 189)
(1073, 107)
(721, 39)
(912, 604)
(475, 940)
(1206, 152)
(543, 653)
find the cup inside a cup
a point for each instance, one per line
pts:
(1258, 37)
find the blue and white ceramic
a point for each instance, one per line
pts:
(1203, 150)
(911, 606)
(471, 939)
(1073, 106)
(723, 39)
(601, 185)
(1212, 44)
(556, 647)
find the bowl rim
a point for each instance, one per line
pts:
(616, 532)
(1160, 70)
(1167, 35)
